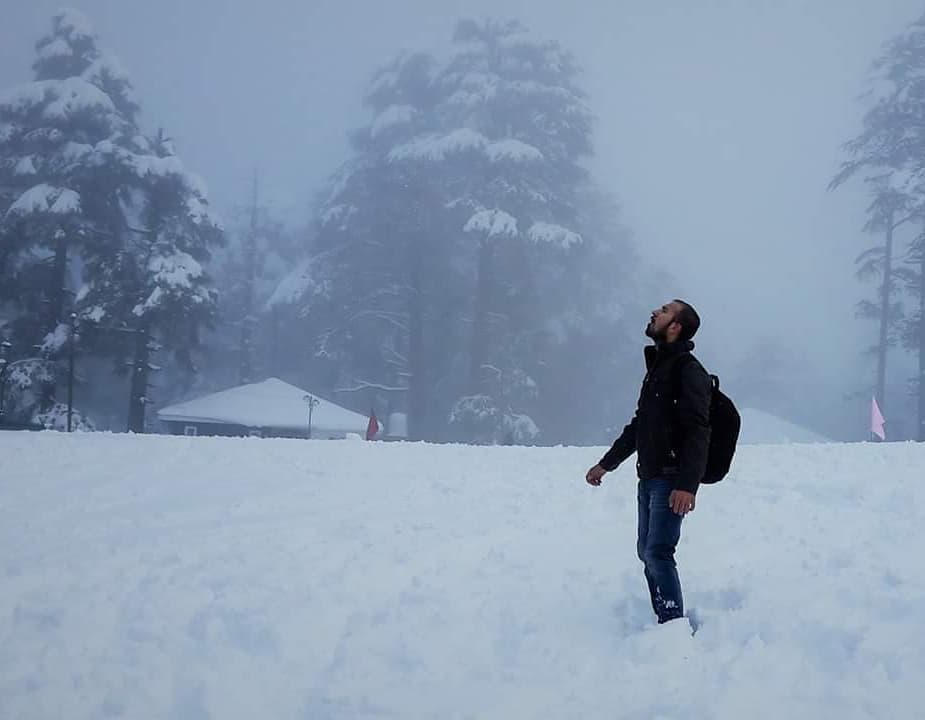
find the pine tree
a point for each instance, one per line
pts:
(53, 175)
(447, 274)
(57, 192)
(373, 273)
(888, 154)
(154, 284)
(515, 128)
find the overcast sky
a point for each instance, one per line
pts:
(718, 123)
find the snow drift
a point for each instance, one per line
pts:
(177, 577)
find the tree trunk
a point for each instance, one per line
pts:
(248, 321)
(920, 435)
(59, 288)
(886, 293)
(479, 348)
(417, 396)
(138, 385)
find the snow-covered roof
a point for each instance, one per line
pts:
(268, 404)
(761, 428)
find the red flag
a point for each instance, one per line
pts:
(373, 426)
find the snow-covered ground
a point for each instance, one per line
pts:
(174, 577)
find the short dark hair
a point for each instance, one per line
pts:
(688, 319)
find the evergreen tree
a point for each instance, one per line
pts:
(889, 155)
(515, 128)
(153, 284)
(57, 191)
(97, 216)
(453, 263)
(372, 284)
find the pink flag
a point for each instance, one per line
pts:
(876, 420)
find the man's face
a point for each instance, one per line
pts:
(662, 319)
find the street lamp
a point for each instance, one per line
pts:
(73, 337)
(312, 401)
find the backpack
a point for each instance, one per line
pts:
(725, 423)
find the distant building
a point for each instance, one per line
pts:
(271, 408)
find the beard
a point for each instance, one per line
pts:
(657, 335)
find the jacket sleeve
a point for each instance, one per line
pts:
(694, 421)
(622, 448)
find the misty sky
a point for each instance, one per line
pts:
(719, 124)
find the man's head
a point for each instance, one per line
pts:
(673, 321)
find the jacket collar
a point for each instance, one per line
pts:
(662, 351)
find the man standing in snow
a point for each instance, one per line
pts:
(670, 433)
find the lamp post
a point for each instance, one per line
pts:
(312, 401)
(73, 337)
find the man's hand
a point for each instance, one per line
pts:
(594, 475)
(681, 502)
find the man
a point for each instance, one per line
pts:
(670, 433)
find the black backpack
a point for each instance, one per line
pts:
(725, 423)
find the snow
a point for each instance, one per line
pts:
(95, 314)
(271, 403)
(436, 147)
(74, 152)
(493, 223)
(74, 23)
(105, 65)
(390, 117)
(511, 149)
(7, 131)
(56, 339)
(73, 96)
(475, 88)
(177, 270)
(763, 428)
(45, 198)
(68, 201)
(58, 47)
(553, 92)
(200, 213)
(55, 418)
(152, 576)
(23, 97)
(159, 167)
(554, 234)
(340, 213)
(25, 166)
(293, 287)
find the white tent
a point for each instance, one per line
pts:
(271, 407)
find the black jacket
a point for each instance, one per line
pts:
(671, 428)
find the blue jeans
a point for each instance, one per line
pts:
(659, 532)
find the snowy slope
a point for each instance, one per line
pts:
(174, 577)
(761, 428)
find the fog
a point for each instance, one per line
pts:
(718, 126)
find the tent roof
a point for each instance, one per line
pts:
(268, 404)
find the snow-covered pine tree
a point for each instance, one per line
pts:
(57, 189)
(50, 169)
(513, 130)
(153, 284)
(373, 287)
